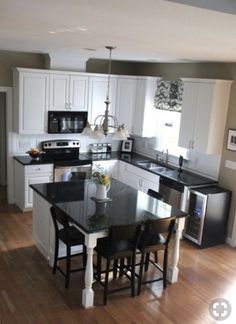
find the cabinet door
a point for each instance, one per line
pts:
(147, 184)
(144, 120)
(59, 92)
(107, 167)
(138, 116)
(97, 96)
(128, 177)
(125, 101)
(203, 117)
(205, 105)
(188, 115)
(33, 103)
(78, 93)
(33, 179)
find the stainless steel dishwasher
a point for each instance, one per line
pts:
(172, 191)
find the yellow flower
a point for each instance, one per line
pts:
(106, 180)
(101, 178)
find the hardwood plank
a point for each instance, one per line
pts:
(29, 293)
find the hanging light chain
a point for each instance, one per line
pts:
(110, 48)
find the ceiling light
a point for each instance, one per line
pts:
(82, 29)
(89, 49)
(103, 123)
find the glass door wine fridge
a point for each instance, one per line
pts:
(208, 213)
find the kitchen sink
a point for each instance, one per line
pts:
(152, 166)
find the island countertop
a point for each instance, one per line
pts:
(125, 205)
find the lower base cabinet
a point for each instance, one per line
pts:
(107, 167)
(138, 178)
(26, 175)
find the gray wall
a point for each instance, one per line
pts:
(9, 59)
(117, 67)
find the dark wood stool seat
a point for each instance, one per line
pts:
(152, 240)
(70, 236)
(121, 243)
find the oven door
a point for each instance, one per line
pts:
(72, 173)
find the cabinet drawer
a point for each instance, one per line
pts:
(39, 168)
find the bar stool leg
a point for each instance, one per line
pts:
(68, 260)
(140, 274)
(55, 256)
(133, 276)
(106, 282)
(165, 268)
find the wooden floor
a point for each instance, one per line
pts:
(29, 293)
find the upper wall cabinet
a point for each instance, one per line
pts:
(203, 117)
(68, 92)
(125, 101)
(144, 120)
(31, 93)
(97, 96)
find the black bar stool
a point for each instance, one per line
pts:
(152, 240)
(70, 236)
(121, 243)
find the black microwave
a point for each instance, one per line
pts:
(63, 122)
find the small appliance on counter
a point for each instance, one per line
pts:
(100, 151)
(100, 148)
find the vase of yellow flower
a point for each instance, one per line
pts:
(103, 184)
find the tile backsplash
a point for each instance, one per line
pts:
(22, 143)
(206, 165)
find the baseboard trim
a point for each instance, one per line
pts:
(230, 242)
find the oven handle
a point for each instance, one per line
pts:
(73, 166)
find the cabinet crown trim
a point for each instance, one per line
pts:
(195, 80)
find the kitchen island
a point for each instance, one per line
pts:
(125, 205)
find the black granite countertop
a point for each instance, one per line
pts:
(127, 205)
(43, 159)
(27, 160)
(185, 178)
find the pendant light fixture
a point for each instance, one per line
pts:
(104, 123)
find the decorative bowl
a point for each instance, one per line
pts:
(34, 154)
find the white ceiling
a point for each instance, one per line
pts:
(141, 30)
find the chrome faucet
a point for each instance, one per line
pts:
(163, 159)
(167, 157)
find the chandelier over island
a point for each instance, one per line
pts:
(103, 123)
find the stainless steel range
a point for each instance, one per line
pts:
(69, 164)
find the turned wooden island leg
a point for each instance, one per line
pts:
(173, 270)
(88, 293)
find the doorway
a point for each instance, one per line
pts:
(3, 152)
(8, 140)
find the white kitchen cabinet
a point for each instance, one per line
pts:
(109, 167)
(125, 101)
(26, 175)
(97, 96)
(31, 93)
(203, 117)
(144, 118)
(68, 92)
(138, 178)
